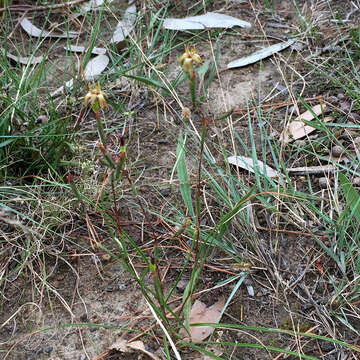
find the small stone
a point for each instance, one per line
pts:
(332, 99)
(43, 119)
(324, 182)
(259, 294)
(356, 181)
(337, 151)
(181, 285)
(106, 257)
(340, 96)
(48, 349)
(122, 287)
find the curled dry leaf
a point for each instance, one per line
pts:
(201, 314)
(206, 21)
(81, 49)
(248, 164)
(297, 128)
(125, 26)
(136, 346)
(33, 60)
(259, 55)
(32, 30)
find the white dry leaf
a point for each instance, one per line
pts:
(95, 67)
(247, 163)
(33, 60)
(297, 128)
(92, 70)
(81, 49)
(125, 26)
(209, 20)
(136, 346)
(201, 314)
(32, 30)
(93, 5)
(260, 54)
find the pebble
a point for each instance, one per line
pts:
(356, 181)
(333, 99)
(340, 96)
(323, 182)
(122, 287)
(337, 151)
(48, 349)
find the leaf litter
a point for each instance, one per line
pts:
(297, 128)
(260, 54)
(81, 49)
(32, 30)
(125, 26)
(201, 314)
(32, 60)
(210, 20)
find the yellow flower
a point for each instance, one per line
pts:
(96, 97)
(188, 58)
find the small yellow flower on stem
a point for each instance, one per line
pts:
(188, 58)
(96, 97)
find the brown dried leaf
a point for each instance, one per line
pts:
(201, 314)
(124, 347)
(297, 128)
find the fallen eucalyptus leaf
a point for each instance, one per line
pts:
(201, 314)
(93, 5)
(125, 26)
(209, 20)
(26, 60)
(136, 346)
(81, 49)
(260, 54)
(248, 164)
(32, 30)
(297, 128)
(95, 67)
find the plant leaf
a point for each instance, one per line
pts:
(351, 195)
(185, 188)
(32, 60)
(201, 314)
(259, 55)
(209, 20)
(93, 5)
(125, 26)
(32, 30)
(81, 49)
(248, 164)
(297, 128)
(95, 67)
